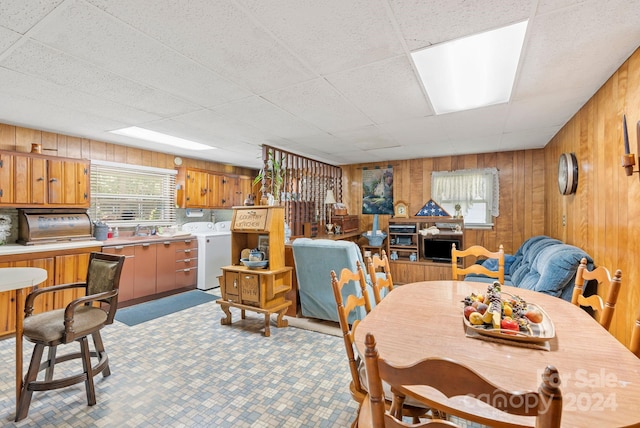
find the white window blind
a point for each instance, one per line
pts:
(477, 191)
(128, 195)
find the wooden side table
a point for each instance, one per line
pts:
(375, 249)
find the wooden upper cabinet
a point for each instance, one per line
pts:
(68, 182)
(6, 178)
(215, 190)
(209, 189)
(36, 180)
(196, 188)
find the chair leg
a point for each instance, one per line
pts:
(97, 342)
(51, 362)
(25, 396)
(88, 370)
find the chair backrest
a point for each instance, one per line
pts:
(380, 275)
(344, 308)
(635, 337)
(453, 379)
(601, 275)
(103, 276)
(477, 251)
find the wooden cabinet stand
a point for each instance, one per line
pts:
(258, 290)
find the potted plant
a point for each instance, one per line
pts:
(271, 176)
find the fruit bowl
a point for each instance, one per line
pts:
(252, 264)
(504, 322)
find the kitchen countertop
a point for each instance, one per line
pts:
(9, 249)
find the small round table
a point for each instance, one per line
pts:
(19, 278)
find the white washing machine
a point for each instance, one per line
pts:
(214, 250)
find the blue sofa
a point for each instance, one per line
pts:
(314, 260)
(541, 264)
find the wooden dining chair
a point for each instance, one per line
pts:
(634, 345)
(380, 275)
(604, 309)
(79, 319)
(358, 383)
(453, 380)
(478, 252)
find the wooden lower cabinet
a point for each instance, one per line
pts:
(126, 277)
(61, 269)
(156, 268)
(144, 277)
(404, 272)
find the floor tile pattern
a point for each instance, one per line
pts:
(188, 370)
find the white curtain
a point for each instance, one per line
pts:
(466, 187)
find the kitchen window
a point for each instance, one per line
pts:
(128, 195)
(477, 191)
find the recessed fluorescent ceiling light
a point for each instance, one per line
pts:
(158, 137)
(471, 72)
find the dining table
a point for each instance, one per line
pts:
(600, 377)
(19, 279)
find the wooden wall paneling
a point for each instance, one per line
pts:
(120, 154)
(49, 143)
(25, 137)
(146, 158)
(7, 137)
(74, 148)
(98, 150)
(134, 156)
(85, 151)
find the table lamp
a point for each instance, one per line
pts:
(330, 199)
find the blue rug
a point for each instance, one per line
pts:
(137, 314)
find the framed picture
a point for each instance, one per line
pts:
(263, 244)
(377, 191)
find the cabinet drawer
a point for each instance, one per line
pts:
(186, 264)
(250, 288)
(186, 243)
(187, 253)
(348, 223)
(186, 277)
(231, 283)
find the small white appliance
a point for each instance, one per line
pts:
(214, 250)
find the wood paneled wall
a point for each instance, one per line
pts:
(521, 192)
(19, 139)
(603, 217)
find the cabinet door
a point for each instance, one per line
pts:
(6, 179)
(165, 266)
(128, 270)
(30, 177)
(68, 182)
(8, 298)
(229, 186)
(214, 195)
(196, 189)
(69, 269)
(144, 283)
(245, 185)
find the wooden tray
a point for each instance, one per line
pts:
(540, 332)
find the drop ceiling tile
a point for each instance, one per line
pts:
(22, 15)
(543, 111)
(366, 138)
(385, 91)
(569, 50)
(318, 102)
(528, 139)
(217, 35)
(427, 23)
(330, 35)
(478, 144)
(415, 131)
(261, 114)
(475, 123)
(85, 32)
(7, 39)
(48, 64)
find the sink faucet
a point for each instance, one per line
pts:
(137, 231)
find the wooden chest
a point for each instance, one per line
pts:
(347, 223)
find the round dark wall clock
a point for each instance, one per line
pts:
(567, 173)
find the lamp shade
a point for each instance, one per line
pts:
(330, 199)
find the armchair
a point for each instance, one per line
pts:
(314, 260)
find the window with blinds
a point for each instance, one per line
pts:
(128, 195)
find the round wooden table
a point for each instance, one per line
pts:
(19, 278)
(600, 376)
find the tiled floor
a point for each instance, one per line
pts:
(188, 370)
